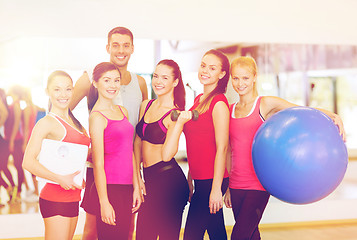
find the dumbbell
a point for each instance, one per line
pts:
(175, 114)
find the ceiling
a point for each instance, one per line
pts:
(238, 21)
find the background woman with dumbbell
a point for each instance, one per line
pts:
(156, 143)
(207, 143)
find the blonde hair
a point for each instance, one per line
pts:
(248, 63)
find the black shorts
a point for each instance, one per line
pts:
(65, 209)
(90, 202)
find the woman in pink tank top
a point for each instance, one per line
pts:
(115, 173)
(59, 203)
(246, 196)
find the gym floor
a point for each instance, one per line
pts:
(332, 218)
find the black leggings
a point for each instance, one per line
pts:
(121, 198)
(248, 207)
(200, 219)
(167, 195)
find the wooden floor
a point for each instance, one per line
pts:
(343, 231)
(348, 232)
(321, 230)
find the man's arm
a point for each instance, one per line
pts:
(81, 90)
(143, 87)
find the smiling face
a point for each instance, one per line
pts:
(163, 80)
(243, 79)
(210, 70)
(120, 48)
(108, 84)
(60, 91)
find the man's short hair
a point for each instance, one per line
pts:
(120, 30)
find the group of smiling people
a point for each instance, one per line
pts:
(133, 142)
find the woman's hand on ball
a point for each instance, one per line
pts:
(338, 121)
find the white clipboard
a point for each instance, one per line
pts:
(63, 158)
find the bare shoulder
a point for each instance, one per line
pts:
(267, 106)
(220, 106)
(220, 112)
(97, 120)
(47, 120)
(270, 105)
(144, 104)
(95, 116)
(45, 125)
(266, 101)
(141, 79)
(97, 124)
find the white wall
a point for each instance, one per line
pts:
(303, 21)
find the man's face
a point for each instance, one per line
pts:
(120, 48)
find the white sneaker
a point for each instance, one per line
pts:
(29, 193)
(31, 198)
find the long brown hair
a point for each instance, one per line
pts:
(222, 83)
(179, 91)
(49, 81)
(98, 72)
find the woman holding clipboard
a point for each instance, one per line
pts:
(59, 203)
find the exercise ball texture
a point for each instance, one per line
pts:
(299, 156)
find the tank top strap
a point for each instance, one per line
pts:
(257, 104)
(63, 122)
(121, 111)
(148, 106)
(257, 108)
(165, 115)
(60, 121)
(101, 114)
(134, 80)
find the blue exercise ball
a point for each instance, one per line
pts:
(299, 156)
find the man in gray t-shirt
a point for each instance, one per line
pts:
(133, 88)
